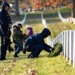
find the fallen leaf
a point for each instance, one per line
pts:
(14, 60)
(3, 72)
(33, 74)
(13, 65)
(25, 66)
(10, 69)
(33, 71)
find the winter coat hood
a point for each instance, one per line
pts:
(4, 4)
(45, 33)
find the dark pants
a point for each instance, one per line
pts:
(18, 48)
(3, 48)
(36, 50)
(3, 43)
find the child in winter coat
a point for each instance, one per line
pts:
(18, 37)
(30, 30)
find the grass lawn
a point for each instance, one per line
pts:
(44, 65)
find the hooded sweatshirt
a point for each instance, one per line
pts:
(5, 19)
(38, 39)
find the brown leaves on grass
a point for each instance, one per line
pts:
(56, 72)
(5, 68)
(30, 68)
(26, 66)
(30, 72)
(3, 72)
(14, 60)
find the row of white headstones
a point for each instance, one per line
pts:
(67, 38)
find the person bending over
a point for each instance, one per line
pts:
(35, 44)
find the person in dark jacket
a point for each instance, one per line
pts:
(35, 43)
(5, 23)
(18, 38)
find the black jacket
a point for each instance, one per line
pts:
(5, 19)
(38, 39)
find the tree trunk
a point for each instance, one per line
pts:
(3, 0)
(16, 8)
(74, 8)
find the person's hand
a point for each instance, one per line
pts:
(10, 25)
(52, 49)
(3, 41)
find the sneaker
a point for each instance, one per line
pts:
(24, 51)
(2, 58)
(30, 56)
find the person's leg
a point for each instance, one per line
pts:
(15, 47)
(3, 50)
(18, 47)
(6, 44)
(22, 46)
(36, 50)
(9, 48)
(9, 45)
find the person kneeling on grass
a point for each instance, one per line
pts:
(35, 44)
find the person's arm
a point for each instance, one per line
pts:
(43, 44)
(10, 22)
(1, 23)
(2, 34)
(48, 46)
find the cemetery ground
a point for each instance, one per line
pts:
(44, 64)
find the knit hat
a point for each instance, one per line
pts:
(28, 26)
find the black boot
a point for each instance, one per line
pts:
(30, 56)
(16, 56)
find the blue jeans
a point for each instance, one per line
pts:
(18, 47)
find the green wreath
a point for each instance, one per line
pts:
(57, 50)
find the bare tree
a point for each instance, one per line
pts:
(4, 0)
(16, 8)
(74, 8)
